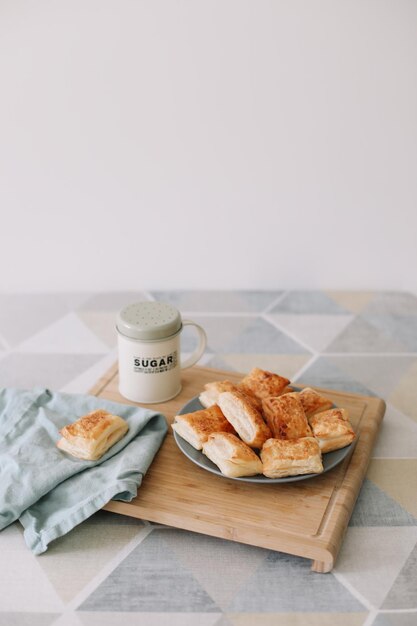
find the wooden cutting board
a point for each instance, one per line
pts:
(306, 518)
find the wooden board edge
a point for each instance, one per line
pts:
(311, 548)
(351, 482)
(104, 380)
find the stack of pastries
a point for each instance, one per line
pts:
(261, 426)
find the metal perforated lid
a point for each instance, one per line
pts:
(148, 320)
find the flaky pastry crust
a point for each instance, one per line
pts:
(285, 417)
(291, 457)
(211, 392)
(92, 435)
(245, 419)
(332, 429)
(263, 384)
(196, 427)
(313, 402)
(233, 457)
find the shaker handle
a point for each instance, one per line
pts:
(198, 352)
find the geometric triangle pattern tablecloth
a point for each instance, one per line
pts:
(113, 569)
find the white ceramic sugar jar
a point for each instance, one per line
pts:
(149, 351)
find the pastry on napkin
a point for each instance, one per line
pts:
(92, 435)
(50, 491)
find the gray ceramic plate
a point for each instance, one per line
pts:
(330, 460)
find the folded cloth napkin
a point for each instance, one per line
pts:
(50, 491)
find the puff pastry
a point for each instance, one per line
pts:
(211, 392)
(313, 402)
(263, 384)
(332, 429)
(245, 419)
(284, 457)
(233, 457)
(196, 427)
(285, 417)
(92, 435)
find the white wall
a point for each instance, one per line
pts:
(215, 143)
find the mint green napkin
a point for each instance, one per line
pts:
(49, 491)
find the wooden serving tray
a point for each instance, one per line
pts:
(306, 518)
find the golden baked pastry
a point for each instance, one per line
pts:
(196, 427)
(233, 457)
(290, 457)
(245, 419)
(211, 393)
(313, 402)
(285, 417)
(263, 384)
(254, 401)
(332, 429)
(92, 435)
